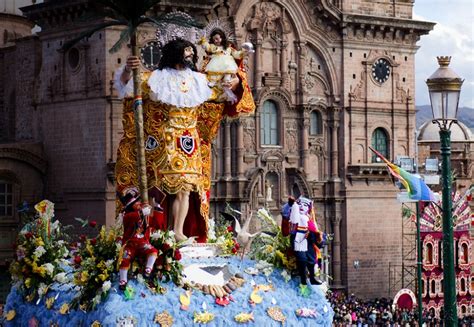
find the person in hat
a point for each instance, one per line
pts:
(304, 239)
(139, 220)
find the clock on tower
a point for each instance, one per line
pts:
(381, 70)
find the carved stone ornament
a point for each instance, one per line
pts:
(317, 147)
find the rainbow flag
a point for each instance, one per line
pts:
(415, 186)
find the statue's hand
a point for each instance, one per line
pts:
(232, 83)
(146, 210)
(133, 62)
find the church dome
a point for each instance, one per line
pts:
(459, 132)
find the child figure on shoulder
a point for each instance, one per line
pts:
(222, 66)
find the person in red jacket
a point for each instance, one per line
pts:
(139, 221)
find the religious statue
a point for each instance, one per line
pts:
(222, 65)
(181, 119)
(268, 191)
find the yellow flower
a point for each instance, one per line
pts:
(41, 207)
(30, 297)
(96, 324)
(39, 241)
(101, 265)
(39, 270)
(28, 282)
(103, 276)
(102, 233)
(50, 302)
(269, 249)
(10, 315)
(64, 309)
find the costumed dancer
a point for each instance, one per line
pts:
(222, 67)
(139, 221)
(181, 119)
(304, 239)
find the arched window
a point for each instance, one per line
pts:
(464, 253)
(379, 143)
(315, 123)
(269, 133)
(463, 284)
(429, 253)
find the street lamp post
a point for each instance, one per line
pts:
(445, 87)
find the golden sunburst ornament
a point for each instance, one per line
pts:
(164, 319)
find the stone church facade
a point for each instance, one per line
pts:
(330, 79)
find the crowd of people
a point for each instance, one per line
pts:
(352, 311)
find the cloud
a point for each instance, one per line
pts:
(451, 36)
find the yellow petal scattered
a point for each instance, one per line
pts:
(64, 309)
(10, 315)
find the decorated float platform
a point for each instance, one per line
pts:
(63, 283)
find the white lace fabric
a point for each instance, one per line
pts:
(180, 88)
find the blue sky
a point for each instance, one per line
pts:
(452, 36)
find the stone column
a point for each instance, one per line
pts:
(284, 64)
(240, 149)
(227, 150)
(336, 250)
(305, 143)
(334, 146)
(258, 67)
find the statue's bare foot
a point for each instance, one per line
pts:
(180, 237)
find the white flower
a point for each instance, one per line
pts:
(42, 289)
(96, 299)
(106, 286)
(220, 239)
(64, 262)
(171, 235)
(55, 226)
(267, 271)
(109, 262)
(286, 276)
(211, 233)
(39, 251)
(49, 268)
(61, 278)
(156, 235)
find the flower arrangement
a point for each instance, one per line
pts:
(41, 253)
(272, 247)
(167, 266)
(223, 235)
(95, 261)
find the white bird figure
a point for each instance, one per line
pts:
(243, 236)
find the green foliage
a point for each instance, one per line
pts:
(271, 246)
(131, 14)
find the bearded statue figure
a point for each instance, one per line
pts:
(181, 118)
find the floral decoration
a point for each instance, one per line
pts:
(223, 235)
(271, 248)
(167, 266)
(41, 254)
(95, 261)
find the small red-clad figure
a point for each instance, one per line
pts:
(139, 221)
